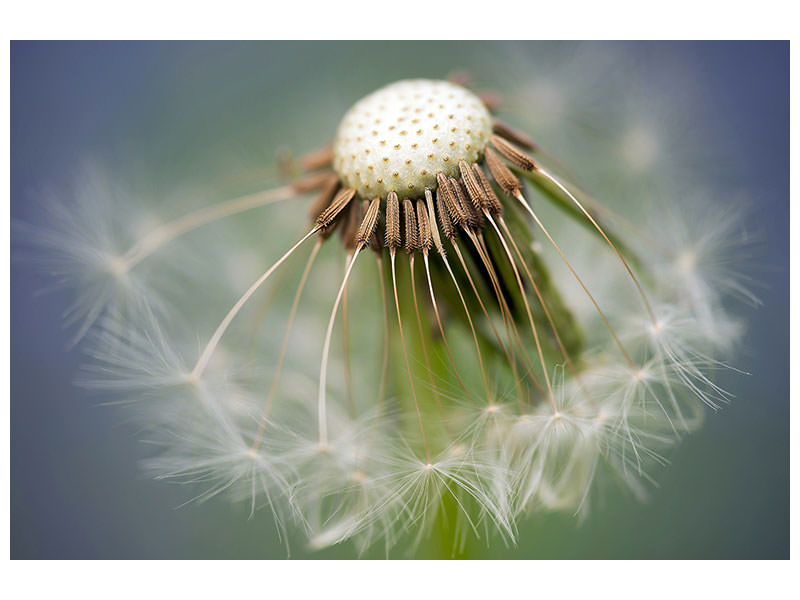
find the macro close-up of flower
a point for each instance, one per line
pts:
(404, 300)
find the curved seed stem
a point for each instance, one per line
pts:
(202, 362)
(277, 375)
(392, 255)
(169, 231)
(527, 207)
(572, 197)
(385, 367)
(425, 354)
(322, 407)
(469, 320)
(539, 350)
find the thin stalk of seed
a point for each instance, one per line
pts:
(322, 410)
(602, 232)
(366, 229)
(420, 329)
(469, 320)
(385, 363)
(449, 231)
(518, 157)
(513, 330)
(541, 226)
(436, 309)
(508, 351)
(551, 322)
(505, 310)
(284, 344)
(392, 254)
(169, 231)
(348, 374)
(539, 350)
(430, 223)
(208, 351)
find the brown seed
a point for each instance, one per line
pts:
(423, 226)
(369, 224)
(473, 219)
(410, 219)
(392, 237)
(474, 188)
(448, 230)
(515, 136)
(512, 153)
(491, 202)
(501, 173)
(337, 205)
(450, 200)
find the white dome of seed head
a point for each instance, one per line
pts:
(399, 137)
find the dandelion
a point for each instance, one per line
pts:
(494, 358)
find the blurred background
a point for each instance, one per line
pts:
(200, 113)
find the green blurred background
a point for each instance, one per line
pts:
(189, 111)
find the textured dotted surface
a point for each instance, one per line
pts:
(399, 137)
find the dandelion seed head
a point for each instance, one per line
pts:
(501, 356)
(401, 136)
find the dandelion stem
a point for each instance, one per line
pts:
(202, 362)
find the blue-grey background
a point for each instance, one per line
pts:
(75, 488)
